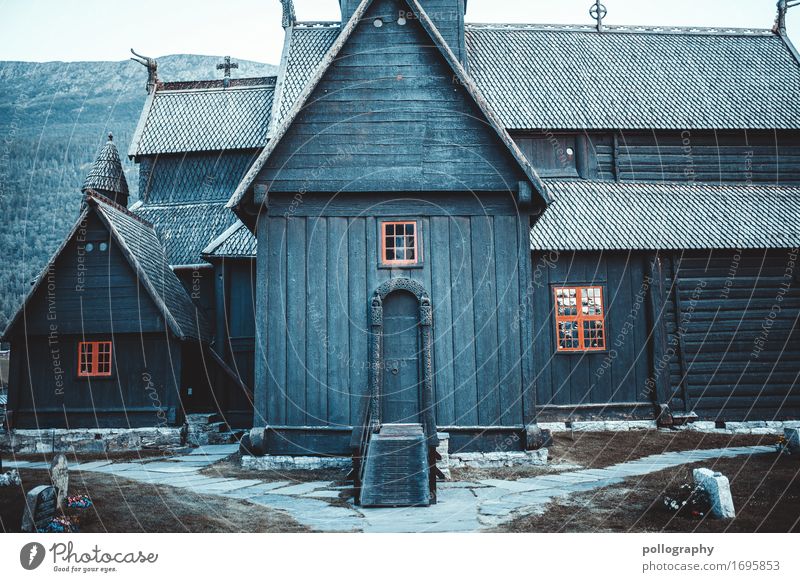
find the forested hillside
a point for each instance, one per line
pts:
(53, 118)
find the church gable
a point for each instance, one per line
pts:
(390, 113)
(88, 287)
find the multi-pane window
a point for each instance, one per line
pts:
(580, 319)
(94, 359)
(400, 243)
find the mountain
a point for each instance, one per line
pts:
(53, 118)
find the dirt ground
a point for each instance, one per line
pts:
(765, 489)
(597, 450)
(121, 505)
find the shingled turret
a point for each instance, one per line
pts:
(107, 176)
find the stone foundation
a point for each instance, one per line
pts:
(497, 459)
(287, 463)
(95, 440)
(749, 427)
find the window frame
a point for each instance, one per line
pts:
(580, 318)
(94, 359)
(418, 262)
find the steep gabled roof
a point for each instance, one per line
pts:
(596, 216)
(237, 242)
(204, 116)
(138, 243)
(106, 172)
(186, 229)
(460, 75)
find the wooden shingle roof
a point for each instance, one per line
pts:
(237, 242)
(106, 172)
(572, 77)
(595, 216)
(205, 116)
(186, 229)
(140, 246)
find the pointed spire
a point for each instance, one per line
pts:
(107, 176)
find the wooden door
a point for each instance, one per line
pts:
(401, 363)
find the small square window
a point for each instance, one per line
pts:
(94, 359)
(580, 319)
(399, 243)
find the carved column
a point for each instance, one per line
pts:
(426, 323)
(376, 357)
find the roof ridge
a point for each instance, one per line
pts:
(318, 24)
(94, 195)
(625, 28)
(214, 84)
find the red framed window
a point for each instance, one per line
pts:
(400, 243)
(580, 319)
(94, 359)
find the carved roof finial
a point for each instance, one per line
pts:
(780, 18)
(152, 69)
(598, 12)
(288, 18)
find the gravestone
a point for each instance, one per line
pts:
(792, 436)
(40, 508)
(59, 476)
(719, 492)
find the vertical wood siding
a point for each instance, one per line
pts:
(603, 383)
(315, 367)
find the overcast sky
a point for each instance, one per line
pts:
(81, 30)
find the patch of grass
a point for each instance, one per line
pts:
(765, 490)
(121, 505)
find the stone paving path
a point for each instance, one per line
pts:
(463, 506)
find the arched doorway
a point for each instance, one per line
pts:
(400, 397)
(401, 355)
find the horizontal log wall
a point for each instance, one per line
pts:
(734, 316)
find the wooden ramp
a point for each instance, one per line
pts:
(396, 468)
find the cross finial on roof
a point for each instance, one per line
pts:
(227, 65)
(598, 12)
(110, 136)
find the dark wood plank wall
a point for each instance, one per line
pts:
(316, 365)
(92, 292)
(608, 383)
(388, 116)
(689, 156)
(143, 390)
(722, 157)
(734, 315)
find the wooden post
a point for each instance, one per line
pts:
(526, 322)
(261, 414)
(658, 346)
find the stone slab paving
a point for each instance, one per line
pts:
(462, 506)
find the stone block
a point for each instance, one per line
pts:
(537, 437)
(792, 436)
(288, 463)
(719, 491)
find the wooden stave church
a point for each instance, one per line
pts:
(487, 385)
